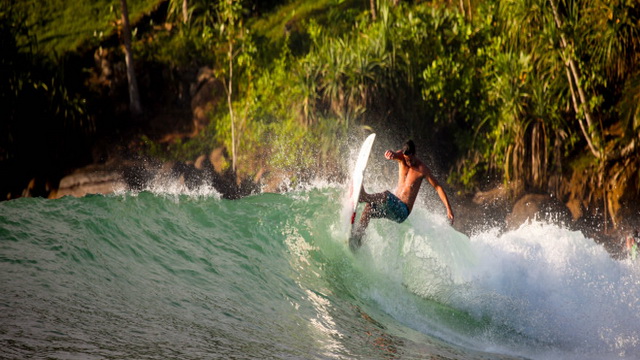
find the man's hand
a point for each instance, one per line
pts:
(450, 216)
(390, 155)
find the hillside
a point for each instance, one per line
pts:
(64, 26)
(542, 99)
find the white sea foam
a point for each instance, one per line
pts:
(558, 287)
(559, 293)
(171, 186)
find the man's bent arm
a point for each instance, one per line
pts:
(442, 194)
(445, 201)
(393, 155)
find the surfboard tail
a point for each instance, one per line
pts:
(355, 185)
(355, 240)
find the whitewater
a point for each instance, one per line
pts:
(168, 273)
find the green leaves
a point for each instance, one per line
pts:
(496, 82)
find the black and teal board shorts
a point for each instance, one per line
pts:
(392, 208)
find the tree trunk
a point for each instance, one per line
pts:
(574, 82)
(185, 12)
(230, 103)
(134, 94)
(372, 4)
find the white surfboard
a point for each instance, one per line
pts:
(357, 177)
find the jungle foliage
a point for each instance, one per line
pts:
(532, 92)
(42, 117)
(536, 93)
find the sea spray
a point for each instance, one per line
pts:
(541, 290)
(558, 287)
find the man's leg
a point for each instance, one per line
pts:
(379, 198)
(356, 240)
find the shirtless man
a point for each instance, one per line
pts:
(398, 205)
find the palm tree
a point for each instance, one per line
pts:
(525, 92)
(578, 94)
(560, 35)
(611, 42)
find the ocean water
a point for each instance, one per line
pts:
(165, 274)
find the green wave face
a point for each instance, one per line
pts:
(152, 275)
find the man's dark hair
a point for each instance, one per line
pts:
(409, 148)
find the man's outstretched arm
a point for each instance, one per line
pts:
(442, 194)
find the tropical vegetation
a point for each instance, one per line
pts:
(541, 95)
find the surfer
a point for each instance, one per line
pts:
(397, 206)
